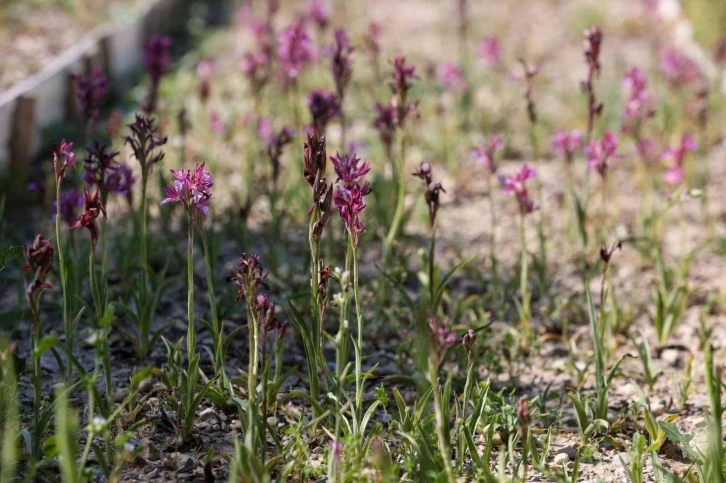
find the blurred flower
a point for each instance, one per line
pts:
(678, 69)
(350, 204)
(385, 124)
(318, 13)
(92, 208)
(350, 169)
(639, 106)
(216, 125)
(100, 165)
(294, 51)
(248, 275)
(441, 335)
(70, 201)
(340, 65)
(275, 145)
(468, 342)
(144, 141)
(524, 418)
(490, 51)
(433, 190)
(63, 158)
(205, 72)
(323, 106)
(39, 262)
(516, 185)
(255, 67)
(529, 72)
(190, 188)
(677, 156)
(89, 92)
(157, 61)
(122, 182)
(264, 129)
(314, 162)
(648, 149)
(402, 79)
(598, 155)
(485, 153)
(593, 41)
(372, 44)
(451, 77)
(566, 143)
(336, 449)
(719, 51)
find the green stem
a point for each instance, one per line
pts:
(444, 447)
(67, 324)
(398, 213)
(523, 285)
(191, 334)
(359, 344)
(37, 332)
(217, 325)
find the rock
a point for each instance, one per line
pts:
(568, 451)
(672, 357)
(560, 459)
(208, 415)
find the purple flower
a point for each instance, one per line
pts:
(677, 68)
(336, 449)
(294, 51)
(157, 58)
(318, 13)
(100, 165)
(63, 158)
(255, 67)
(144, 141)
(516, 185)
(350, 169)
(402, 79)
(490, 51)
(451, 77)
(433, 190)
(639, 106)
(190, 188)
(275, 145)
(598, 155)
(265, 129)
(323, 106)
(566, 143)
(248, 275)
(385, 123)
(441, 335)
(89, 92)
(340, 65)
(39, 262)
(70, 200)
(649, 149)
(593, 42)
(485, 153)
(122, 182)
(677, 155)
(350, 204)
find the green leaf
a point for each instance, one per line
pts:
(8, 254)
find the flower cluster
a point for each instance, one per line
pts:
(144, 141)
(592, 44)
(323, 106)
(190, 188)
(679, 69)
(598, 155)
(92, 209)
(490, 50)
(63, 158)
(122, 182)
(433, 190)
(350, 204)
(350, 169)
(89, 92)
(566, 143)
(314, 162)
(441, 335)
(100, 166)
(157, 61)
(451, 77)
(248, 275)
(39, 262)
(340, 65)
(485, 153)
(318, 13)
(516, 185)
(254, 67)
(639, 106)
(275, 145)
(70, 201)
(402, 79)
(677, 156)
(294, 51)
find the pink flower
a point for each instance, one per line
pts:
(318, 13)
(265, 129)
(350, 169)
(294, 51)
(639, 105)
(566, 143)
(485, 153)
(674, 175)
(192, 189)
(678, 68)
(648, 149)
(215, 123)
(490, 51)
(516, 185)
(340, 65)
(677, 155)
(451, 77)
(598, 155)
(350, 204)
(63, 158)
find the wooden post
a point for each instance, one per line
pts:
(22, 133)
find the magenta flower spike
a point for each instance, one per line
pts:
(441, 335)
(294, 51)
(639, 106)
(350, 170)
(490, 51)
(63, 158)
(679, 69)
(566, 143)
(92, 209)
(248, 275)
(677, 155)
(598, 155)
(516, 185)
(324, 106)
(340, 65)
(122, 182)
(71, 200)
(89, 92)
(255, 66)
(385, 123)
(485, 153)
(39, 262)
(350, 204)
(451, 77)
(190, 188)
(317, 12)
(100, 165)
(157, 58)
(402, 79)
